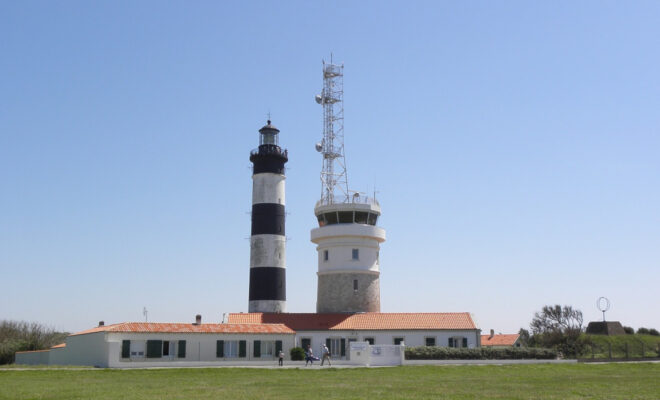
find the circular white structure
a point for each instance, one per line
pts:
(268, 240)
(348, 245)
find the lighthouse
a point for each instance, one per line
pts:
(347, 238)
(267, 240)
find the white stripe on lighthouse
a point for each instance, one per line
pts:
(268, 187)
(268, 251)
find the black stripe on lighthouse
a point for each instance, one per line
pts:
(268, 219)
(267, 283)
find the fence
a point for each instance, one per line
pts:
(611, 351)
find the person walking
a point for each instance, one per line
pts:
(280, 357)
(309, 355)
(326, 355)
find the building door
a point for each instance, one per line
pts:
(335, 347)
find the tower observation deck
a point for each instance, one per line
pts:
(347, 238)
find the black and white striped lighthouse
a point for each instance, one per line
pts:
(268, 241)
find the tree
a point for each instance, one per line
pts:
(559, 327)
(524, 337)
(628, 330)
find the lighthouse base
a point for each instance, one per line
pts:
(267, 306)
(348, 292)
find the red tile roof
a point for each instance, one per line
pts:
(57, 346)
(499, 340)
(158, 327)
(32, 351)
(361, 321)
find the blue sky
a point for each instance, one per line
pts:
(514, 147)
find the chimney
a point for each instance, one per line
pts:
(198, 319)
(101, 323)
(492, 333)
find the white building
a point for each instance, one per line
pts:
(252, 339)
(338, 330)
(142, 344)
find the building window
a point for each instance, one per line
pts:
(429, 341)
(166, 348)
(398, 340)
(220, 348)
(356, 254)
(337, 346)
(326, 255)
(182, 349)
(458, 342)
(154, 348)
(137, 348)
(369, 340)
(125, 348)
(355, 285)
(242, 348)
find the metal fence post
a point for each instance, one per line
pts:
(609, 348)
(627, 352)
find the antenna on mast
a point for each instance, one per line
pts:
(333, 173)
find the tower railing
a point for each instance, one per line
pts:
(269, 149)
(354, 200)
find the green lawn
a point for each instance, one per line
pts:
(567, 381)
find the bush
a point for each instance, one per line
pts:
(654, 332)
(23, 336)
(628, 330)
(643, 331)
(478, 353)
(297, 354)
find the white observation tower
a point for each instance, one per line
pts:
(347, 239)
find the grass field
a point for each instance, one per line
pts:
(567, 381)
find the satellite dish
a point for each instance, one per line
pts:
(319, 147)
(318, 99)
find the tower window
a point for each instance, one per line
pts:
(355, 285)
(356, 254)
(345, 217)
(326, 255)
(331, 218)
(360, 217)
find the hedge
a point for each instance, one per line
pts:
(478, 353)
(297, 354)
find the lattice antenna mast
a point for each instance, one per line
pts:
(333, 174)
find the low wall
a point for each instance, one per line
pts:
(362, 353)
(39, 357)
